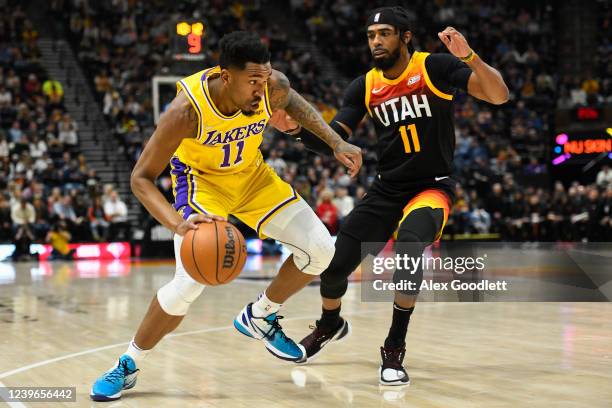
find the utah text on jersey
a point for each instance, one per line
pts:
(393, 101)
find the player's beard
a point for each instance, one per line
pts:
(388, 61)
(248, 113)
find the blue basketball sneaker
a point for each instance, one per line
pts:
(270, 332)
(109, 386)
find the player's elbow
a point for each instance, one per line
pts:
(502, 96)
(136, 182)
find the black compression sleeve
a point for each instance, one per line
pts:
(353, 104)
(352, 112)
(312, 142)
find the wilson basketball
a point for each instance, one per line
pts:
(214, 254)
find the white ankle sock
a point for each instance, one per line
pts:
(264, 307)
(137, 354)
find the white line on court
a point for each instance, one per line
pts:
(12, 404)
(187, 333)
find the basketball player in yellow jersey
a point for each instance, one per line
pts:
(211, 135)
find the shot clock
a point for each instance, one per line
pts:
(188, 40)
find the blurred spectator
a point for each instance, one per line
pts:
(604, 177)
(67, 133)
(54, 92)
(276, 162)
(344, 203)
(59, 237)
(115, 211)
(327, 212)
(108, 190)
(6, 230)
(64, 211)
(97, 220)
(22, 216)
(32, 85)
(6, 98)
(41, 223)
(4, 147)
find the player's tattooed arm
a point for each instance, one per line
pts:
(282, 96)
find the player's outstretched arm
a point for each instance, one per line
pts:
(282, 96)
(178, 122)
(485, 82)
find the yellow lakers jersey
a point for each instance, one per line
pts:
(223, 144)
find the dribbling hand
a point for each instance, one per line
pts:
(192, 223)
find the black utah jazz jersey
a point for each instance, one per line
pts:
(412, 114)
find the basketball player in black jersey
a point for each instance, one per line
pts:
(409, 97)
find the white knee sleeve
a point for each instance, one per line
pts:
(176, 296)
(299, 228)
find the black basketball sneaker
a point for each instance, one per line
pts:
(391, 370)
(315, 341)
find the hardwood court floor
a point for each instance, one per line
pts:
(62, 324)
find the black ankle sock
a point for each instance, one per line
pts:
(330, 319)
(399, 327)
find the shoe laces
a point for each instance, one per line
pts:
(275, 328)
(119, 373)
(393, 357)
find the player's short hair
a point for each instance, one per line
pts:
(239, 47)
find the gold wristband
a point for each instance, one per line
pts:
(469, 57)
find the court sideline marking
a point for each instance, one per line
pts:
(171, 335)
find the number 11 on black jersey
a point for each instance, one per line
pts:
(414, 135)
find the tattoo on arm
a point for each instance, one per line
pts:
(278, 91)
(194, 120)
(189, 117)
(306, 115)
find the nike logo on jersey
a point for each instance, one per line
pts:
(440, 178)
(378, 90)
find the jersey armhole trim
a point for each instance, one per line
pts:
(195, 105)
(267, 103)
(368, 88)
(431, 86)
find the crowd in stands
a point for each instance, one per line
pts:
(123, 44)
(122, 48)
(44, 178)
(594, 88)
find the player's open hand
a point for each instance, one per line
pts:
(192, 223)
(455, 42)
(350, 156)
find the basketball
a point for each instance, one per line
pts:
(214, 254)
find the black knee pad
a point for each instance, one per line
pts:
(421, 225)
(334, 280)
(418, 230)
